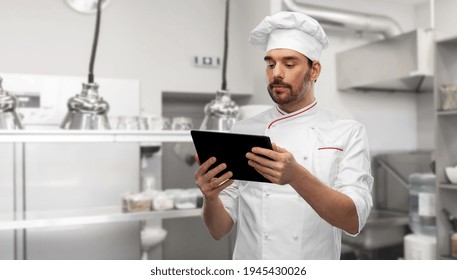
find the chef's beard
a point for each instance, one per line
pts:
(294, 95)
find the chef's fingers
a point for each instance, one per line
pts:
(224, 185)
(217, 185)
(208, 179)
(265, 169)
(204, 167)
(214, 187)
(216, 182)
(278, 148)
(210, 174)
(273, 175)
(272, 154)
(262, 160)
(197, 160)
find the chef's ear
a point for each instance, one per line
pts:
(315, 70)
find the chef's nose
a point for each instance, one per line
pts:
(278, 73)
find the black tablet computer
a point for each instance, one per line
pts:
(231, 149)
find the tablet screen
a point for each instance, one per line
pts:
(231, 149)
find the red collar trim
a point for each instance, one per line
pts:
(292, 115)
(330, 148)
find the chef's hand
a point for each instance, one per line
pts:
(277, 165)
(206, 181)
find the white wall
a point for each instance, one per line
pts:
(155, 41)
(150, 40)
(391, 119)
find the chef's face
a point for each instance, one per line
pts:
(290, 78)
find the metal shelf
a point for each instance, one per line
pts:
(448, 186)
(446, 39)
(45, 219)
(446, 257)
(445, 134)
(69, 136)
(59, 217)
(447, 113)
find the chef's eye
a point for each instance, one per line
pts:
(290, 65)
(270, 65)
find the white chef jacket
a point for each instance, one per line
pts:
(274, 221)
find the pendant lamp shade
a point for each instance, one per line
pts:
(86, 6)
(222, 112)
(87, 110)
(8, 117)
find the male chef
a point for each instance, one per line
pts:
(319, 166)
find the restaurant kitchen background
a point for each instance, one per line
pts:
(127, 191)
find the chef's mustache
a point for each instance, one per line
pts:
(280, 83)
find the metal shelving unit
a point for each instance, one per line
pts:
(447, 113)
(68, 136)
(114, 214)
(448, 186)
(445, 136)
(111, 214)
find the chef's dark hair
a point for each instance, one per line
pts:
(310, 65)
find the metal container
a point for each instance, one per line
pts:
(449, 96)
(383, 228)
(87, 111)
(8, 116)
